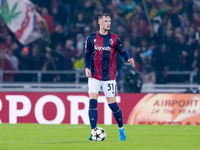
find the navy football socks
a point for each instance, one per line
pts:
(117, 113)
(93, 115)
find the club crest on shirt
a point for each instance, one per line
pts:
(111, 41)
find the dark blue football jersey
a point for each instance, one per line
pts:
(102, 55)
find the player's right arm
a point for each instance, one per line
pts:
(87, 55)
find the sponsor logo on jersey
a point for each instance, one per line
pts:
(102, 48)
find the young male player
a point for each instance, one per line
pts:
(100, 68)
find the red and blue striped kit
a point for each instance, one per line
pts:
(100, 55)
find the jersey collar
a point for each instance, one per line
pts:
(103, 35)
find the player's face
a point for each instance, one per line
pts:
(105, 23)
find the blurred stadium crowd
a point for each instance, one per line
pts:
(161, 35)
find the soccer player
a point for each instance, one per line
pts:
(100, 68)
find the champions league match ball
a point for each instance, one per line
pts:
(98, 134)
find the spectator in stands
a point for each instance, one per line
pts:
(135, 37)
(128, 6)
(93, 26)
(5, 64)
(70, 53)
(196, 61)
(137, 59)
(98, 8)
(191, 39)
(79, 24)
(147, 68)
(36, 58)
(182, 53)
(196, 20)
(8, 41)
(12, 58)
(24, 64)
(80, 41)
(169, 38)
(54, 61)
(59, 49)
(87, 9)
(58, 36)
(161, 63)
(117, 20)
(79, 62)
(177, 6)
(140, 24)
(121, 32)
(127, 46)
(49, 20)
(58, 12)
(116, 3)
(185, 24)
(43, 29)
(3, 45)
(197, 67)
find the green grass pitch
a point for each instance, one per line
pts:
(74, 137)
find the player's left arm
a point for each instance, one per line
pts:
(123, 53)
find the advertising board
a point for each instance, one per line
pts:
(72, 108)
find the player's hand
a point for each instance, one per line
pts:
(131, 61)
(88, 73)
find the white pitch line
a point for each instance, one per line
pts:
(73, 127)
(12, 141)
(8, 141)
(48, 141)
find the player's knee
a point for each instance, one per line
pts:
(114, 107)
(93, 104)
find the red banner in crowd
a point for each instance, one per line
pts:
(57, 108)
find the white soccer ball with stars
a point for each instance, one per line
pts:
(98, 134)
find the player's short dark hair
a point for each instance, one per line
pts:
(103, 14)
